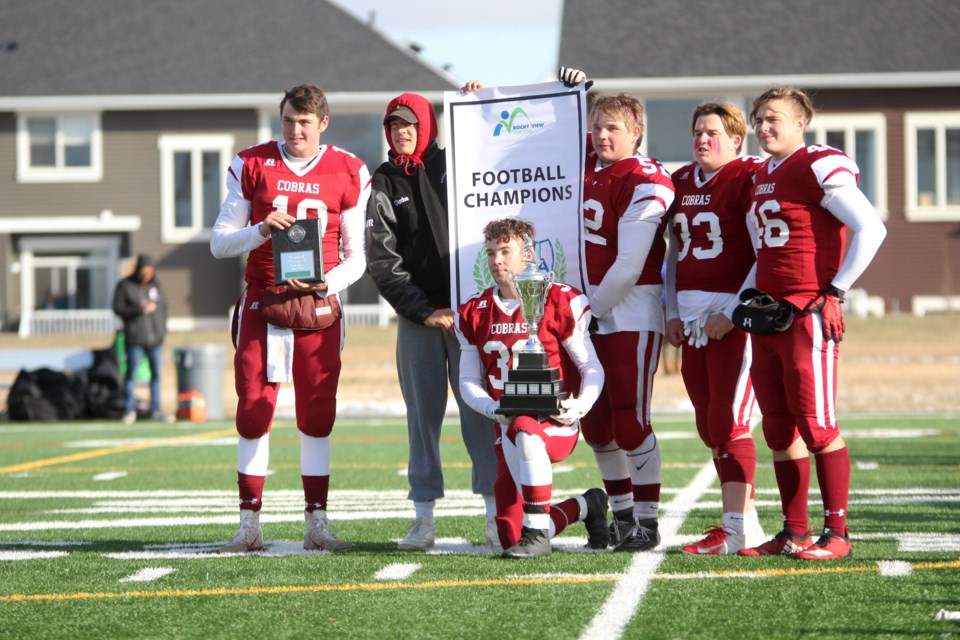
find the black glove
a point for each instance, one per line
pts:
(594, 326)
(571, 77)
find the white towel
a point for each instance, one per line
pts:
(279, 354)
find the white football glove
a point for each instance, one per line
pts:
(490, 411)
(571, 410)
(571, 77)
(694, 330)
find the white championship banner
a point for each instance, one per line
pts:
(515, 152)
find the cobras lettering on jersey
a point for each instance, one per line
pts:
(695, 200)
(298, 187)
(507, 328)
(764, 189)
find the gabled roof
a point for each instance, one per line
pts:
(670, 39)
(197, 47)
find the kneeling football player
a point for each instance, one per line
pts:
(491, 329)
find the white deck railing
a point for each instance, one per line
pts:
(43, 322)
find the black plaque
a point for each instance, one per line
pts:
(533, 388)
(297, 253)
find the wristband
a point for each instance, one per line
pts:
(836, 293)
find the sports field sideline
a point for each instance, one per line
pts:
(107, 531)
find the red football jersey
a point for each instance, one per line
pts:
(708, 223)
(499, 335)
(611, 192)
(318, 191)
(801, 243)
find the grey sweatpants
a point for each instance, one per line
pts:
(426, 359)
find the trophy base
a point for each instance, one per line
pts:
(529, 405)
(533, 388)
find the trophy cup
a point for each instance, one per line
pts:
(533, 387)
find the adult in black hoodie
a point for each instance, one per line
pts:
(408, 257)
(140, 302)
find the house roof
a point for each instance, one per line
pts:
(664, 40)
(196, 48)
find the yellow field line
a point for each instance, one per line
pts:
(437, 584)
(310, 588)
(106, 451)
(815, 569)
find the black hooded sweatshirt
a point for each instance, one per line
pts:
(406, 234)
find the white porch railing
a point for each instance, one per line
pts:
(43, 322)
(369, 315)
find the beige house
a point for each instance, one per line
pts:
(118, 122)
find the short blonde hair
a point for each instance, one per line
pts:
(796, 97)
(621, 107)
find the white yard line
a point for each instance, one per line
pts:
(149, 575)
(396, 571)
(619, 608)
(31, 555)
(894, 568)
(110, 475)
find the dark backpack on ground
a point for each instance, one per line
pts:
(104, 392)
(45, 394)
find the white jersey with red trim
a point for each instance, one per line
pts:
(496, 328)
(324, 188)
(800, 242)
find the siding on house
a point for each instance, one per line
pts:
(860, 56)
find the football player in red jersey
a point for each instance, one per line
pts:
(625, 200)
(805, 203)
(710, 255)
(269, 186)
(491, 329)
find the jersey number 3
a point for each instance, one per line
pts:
(714, 245)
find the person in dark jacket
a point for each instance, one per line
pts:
(142, 306)
(408, 257)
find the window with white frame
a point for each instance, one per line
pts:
(193, 170)
(863, 137)
(932, 166)
(59, 148)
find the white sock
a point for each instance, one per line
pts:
(314, 455)
(424, 510)
(490, 502)
(734, 522)
(646, 510)
(582, 506)
(253, 455)
(537, 521)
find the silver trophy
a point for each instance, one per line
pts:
(533, 387)
(532, 285)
